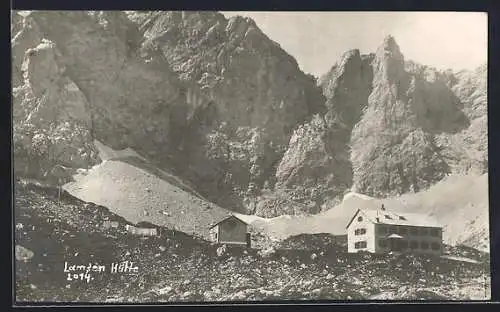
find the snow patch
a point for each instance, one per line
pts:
(250, 218)
(356, 195)
(107, 153)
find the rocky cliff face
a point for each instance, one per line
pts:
(316, 166)
(399, 119)
(226, 108)
(136, 104)
(256, 97)
(87, 61)
(393, 145)
(52, 124)
(467, 150)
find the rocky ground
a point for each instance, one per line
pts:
(320, 241)
(178, 267)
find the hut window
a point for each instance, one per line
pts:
(435, 246)
(402, 218)
(414, 245)
(424, 245)
(359, 231)
(434, 232)
(414, 231)
(359, 245)
(388, 217)
(360, 218)
(382, 243)
(424, 232)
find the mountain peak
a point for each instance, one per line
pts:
(389, 40)
(389, 61)
(389, 47)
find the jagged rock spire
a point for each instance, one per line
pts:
(389, 62)
(389, 45)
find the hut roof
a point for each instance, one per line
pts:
(384, 216)
(227, 218)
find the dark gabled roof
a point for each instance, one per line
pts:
(404, 218)
(401, 218)
(350, 221)
(227, 218)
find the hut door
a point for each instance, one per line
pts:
(249, 240)
(395, 245)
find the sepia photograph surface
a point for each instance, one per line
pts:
(202, 156)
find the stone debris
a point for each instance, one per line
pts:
(268, 252)
(23, 254)
(163, 291)
(196, 270)
(221, 250)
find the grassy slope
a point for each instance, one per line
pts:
(176, 267)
